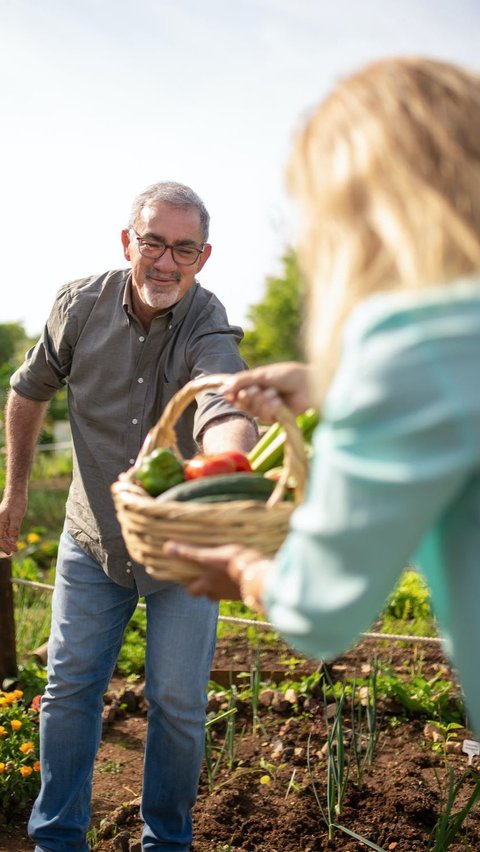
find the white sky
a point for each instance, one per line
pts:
(99, 98)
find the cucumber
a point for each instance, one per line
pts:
(231, 486)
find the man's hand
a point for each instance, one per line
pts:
(12, 511)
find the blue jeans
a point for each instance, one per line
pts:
(89, 616)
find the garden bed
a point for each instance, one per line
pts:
(266, 802)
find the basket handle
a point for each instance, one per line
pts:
(163, 435)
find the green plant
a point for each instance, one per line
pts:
(448, 732)
(449, 824)
(364, 721)
(214, 754)
(435, 697)
(255, 683)
(410, 599)
(19, 764)
(338, 766)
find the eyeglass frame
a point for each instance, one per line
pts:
(171, 246)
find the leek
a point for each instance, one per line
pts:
(268, 451)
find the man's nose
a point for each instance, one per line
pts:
(166, 261)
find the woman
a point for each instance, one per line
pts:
(387, 173)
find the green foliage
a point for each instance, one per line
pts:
(274, 325)
(410, 600)
(435, 698)
(131, 659)
(13, 342)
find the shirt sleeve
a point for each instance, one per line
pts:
(388, 458)
(47, 364)
(213, 348)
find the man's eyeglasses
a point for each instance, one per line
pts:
(183, 255)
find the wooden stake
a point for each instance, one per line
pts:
(8, 651)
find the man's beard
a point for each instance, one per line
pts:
(159, 296)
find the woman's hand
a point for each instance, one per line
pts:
(224, 567)
(261, 391)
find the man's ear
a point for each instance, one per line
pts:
(126, 243)
(204, 257)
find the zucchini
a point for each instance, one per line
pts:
(231, 486)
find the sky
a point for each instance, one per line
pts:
(100, 98)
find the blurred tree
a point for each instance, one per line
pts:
(274, 326)
(13, 340)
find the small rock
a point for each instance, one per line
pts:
(453, 747)
(266, 697)
(290, 695)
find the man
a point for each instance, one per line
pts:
(124, 342)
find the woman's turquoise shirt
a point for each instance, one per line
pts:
(394, 480)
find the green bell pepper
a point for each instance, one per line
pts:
(159, 471)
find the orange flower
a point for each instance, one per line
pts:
(36, 766)
(18, 693)
(2, 768)
(15, 724)
(26, 771)
(3, 703)
(10, 697)
(36, 703)
(26, 748)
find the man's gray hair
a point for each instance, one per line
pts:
(176, 194)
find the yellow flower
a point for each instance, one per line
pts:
(16, 724)
(3, 703)
(3, 731)
(26, 771)
(21, 545)
(32, 538)
(18, 693)
(26, 748)
(265, 779)
(2, 768)
(36, 766)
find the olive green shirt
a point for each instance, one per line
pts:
(119, 380)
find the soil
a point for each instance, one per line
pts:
(267, 802)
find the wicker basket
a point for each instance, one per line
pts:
(146, 523)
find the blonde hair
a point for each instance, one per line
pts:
(387, 174)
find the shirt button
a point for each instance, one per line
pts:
(140, 380)
(141, 339)
(131, 461)
(129, 570)
(134, 421)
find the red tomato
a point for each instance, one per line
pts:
(239, 459)
(208, 466)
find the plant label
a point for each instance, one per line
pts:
(472, 748)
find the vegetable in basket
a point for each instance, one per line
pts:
(160, 470)
(230, 461)
(268, 451)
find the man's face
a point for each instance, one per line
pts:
(159, 284)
